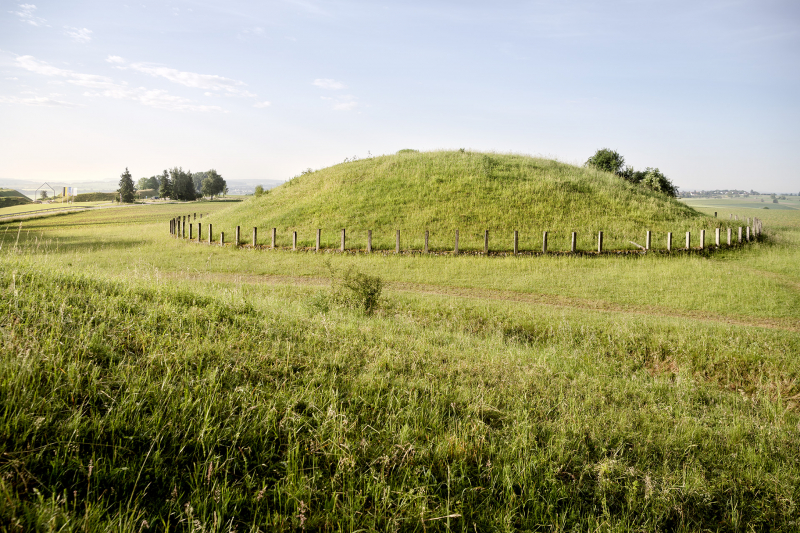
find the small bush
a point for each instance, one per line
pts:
(408, 151)
(356, 290)
(259, 191)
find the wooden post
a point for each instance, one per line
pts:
(702, 239)
(369, 241)
(600, 241)
(748, 233)
(669, 241)
(199, 231)
(238, 235)
(190, 232)
(688, 240)
(255, 236)
(170, 227)
(486, 242)
(195, 216)
(319, 235)
(731, 217)
(294, 241)
(397, 242)
(740, 235)
(516, 242)
(222, 238)
(729, 236)
(736, 216)
(210, 234)
(343, 239)
(201, 216)
(717, 237)
(574, 246)
(647, 240)
(426, 241)
(183, 228)
(715, 214)
(455, 251)
(544, 242)
(274, 233)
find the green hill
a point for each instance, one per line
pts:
(472, 192)
(10, 197)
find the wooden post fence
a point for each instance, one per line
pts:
(369, 241)
(319, 235)
(647, 241)
(669, 241)
(574, 246)
(717, 237)
(688, 240)
(274, 234)
(294, 240)
(222, 238)
(516, 242)
(455, 251)
(544, 242)
(729, 236)
(748, 233)
(238, 235)
(397, 242)
(210, 234)
(600, 242)
(343, 236)
(199, 232)
(190, 232)
(426, 241)
(255, 236)
(740, 235)
(486, 242)
(702, 239)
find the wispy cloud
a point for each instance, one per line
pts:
(26, 14)
(106, 87)
(345, 102)
(40, 101)
(326, 83)
(262, 104)
(81, 35)
(208, 82)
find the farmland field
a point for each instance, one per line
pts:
(151, 383)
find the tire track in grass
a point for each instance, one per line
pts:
(507, 296)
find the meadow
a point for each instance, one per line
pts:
(153, 384)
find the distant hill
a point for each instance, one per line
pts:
(469, 191)
(10, 197)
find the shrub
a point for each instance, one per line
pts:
(356, 290)
(259, 191)
(608, 160)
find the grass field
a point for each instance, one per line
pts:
(25, 208)
(149, 383)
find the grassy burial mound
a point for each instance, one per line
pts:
(472, 192)
(10, 197)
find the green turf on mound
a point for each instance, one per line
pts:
(472, 192)
(10, 197)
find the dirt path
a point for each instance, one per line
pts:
(511, 296)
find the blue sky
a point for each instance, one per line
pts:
(707, 91)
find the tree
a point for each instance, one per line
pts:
(182, 184)
(147, 183)
(608, 160)
(43, 195)
(213, 184)
(654, 179)
(165, 187)
(198, 178)
(259, 190)
(126, 189)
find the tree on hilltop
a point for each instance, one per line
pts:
(182, 184)
(126, 190)
(608, 160)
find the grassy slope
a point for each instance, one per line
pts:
(472, 192)
(10, 197)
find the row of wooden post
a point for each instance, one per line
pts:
(178, 229)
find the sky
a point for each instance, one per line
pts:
(706, 91)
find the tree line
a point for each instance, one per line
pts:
(175, 184)
(652, 178)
